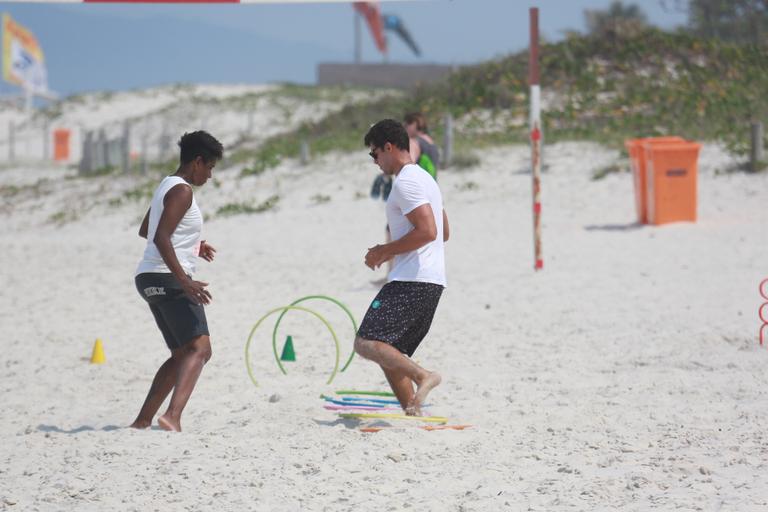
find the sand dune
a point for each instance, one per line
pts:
(626, 375)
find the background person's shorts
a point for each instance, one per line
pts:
(178, 317)
(401, 314)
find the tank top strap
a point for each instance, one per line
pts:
(171, 181)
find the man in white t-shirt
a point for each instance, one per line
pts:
(399, 317)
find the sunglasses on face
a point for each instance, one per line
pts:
(374, 154)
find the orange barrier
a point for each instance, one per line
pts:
(671, 175)
(60, 145)
(637, 159)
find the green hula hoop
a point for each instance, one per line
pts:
(274, 347)
(308, 297)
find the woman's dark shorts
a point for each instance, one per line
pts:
(178, 317)
(401, 314)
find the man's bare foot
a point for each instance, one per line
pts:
(168, 424)
(140, 424)
(411, 410)
(432, 380)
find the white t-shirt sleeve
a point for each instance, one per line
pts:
(411, 195)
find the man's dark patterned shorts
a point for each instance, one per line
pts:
(401, 314)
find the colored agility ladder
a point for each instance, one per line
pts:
(372, 400)
(385, 416)
(352, 408)
(363, 402)
(365, 393)
(429, 428)
(355, 402)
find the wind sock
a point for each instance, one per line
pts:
(395, 24)
(372, 15)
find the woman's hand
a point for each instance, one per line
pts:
(207, 252)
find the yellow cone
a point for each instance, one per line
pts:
(97, 357)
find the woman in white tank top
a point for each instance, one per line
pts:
(172, 227)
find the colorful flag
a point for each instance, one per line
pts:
(23, 60)
(394, 23)
(372, 15)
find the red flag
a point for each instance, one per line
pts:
(372, 15)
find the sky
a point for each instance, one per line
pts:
(91, 47)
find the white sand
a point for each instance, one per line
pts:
(626, 375)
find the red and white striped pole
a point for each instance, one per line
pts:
(535, 123)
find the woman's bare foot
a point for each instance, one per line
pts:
(431, 381)
(169, 424)
(141, 424)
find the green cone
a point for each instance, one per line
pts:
(288, 353)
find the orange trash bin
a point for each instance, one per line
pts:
(637, 162)
(671, 181)
(60, 145)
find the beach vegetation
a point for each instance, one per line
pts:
(464, 160)
(142, 192)
(467, 186)
(63, 217)
(602, 172)
(240, 208)
(320, 199)
(641, 83)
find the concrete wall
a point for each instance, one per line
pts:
(404, 76)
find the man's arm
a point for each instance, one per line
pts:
(144, 228)
(424, 231)
(175, 204)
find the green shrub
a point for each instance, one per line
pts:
(320, 199)
(637, 84)
(230, 209)
(605, 171)
(461, 161)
